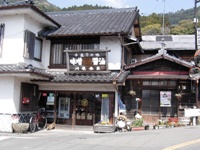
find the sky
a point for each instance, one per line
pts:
(146, 7)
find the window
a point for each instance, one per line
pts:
(38, 49)
(33, 46)
(2, 27)
(73, 53)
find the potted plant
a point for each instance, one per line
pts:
(132, 93)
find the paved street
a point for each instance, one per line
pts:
(181, 138)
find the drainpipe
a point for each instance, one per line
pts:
(122, 50)
(116, 93)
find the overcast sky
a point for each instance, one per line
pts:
(146, 7)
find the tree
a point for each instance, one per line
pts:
(153, 29)
(184, 27)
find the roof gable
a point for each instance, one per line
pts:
(162, 54)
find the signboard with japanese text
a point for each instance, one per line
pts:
(198, 38)
(87, 61)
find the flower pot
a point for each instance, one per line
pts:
(138, 128)
(20, 127)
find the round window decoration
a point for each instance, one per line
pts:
(84, 102)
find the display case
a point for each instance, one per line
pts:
(83, 113)
(64, 107)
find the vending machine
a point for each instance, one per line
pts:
(64, 107)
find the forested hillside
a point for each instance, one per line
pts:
(180, 22)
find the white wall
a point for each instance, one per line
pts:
(114, 57)
(13, 43)
(10, 94)
(7, 104)
(13, 39)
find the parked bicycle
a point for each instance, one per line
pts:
(38, 121)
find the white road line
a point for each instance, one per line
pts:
(182, 145)
(4, 137)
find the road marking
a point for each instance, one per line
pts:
(4, 137)
(182, 145)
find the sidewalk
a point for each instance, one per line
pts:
(59, 129)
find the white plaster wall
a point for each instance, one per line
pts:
(13, 43)
(7, 104)
(10, 94)
(114, 57)
(13, 39)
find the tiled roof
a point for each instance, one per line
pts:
(94, 22)
(162, 54)
(62, 77)
(91, 77)
(23, 68)
(85, 77)
(179, 42)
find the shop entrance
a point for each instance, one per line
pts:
(77, 108)
(85, 109)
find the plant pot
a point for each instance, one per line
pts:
(20, 127)
(104, 128)
(138, 128)
(155, 127)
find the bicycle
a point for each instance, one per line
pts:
(38, 121)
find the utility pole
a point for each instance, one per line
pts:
(196, 48)
(163, 31)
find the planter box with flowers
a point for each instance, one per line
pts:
(104, 127)
(138, 124)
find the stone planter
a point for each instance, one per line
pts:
(104, 128)
(20, 127)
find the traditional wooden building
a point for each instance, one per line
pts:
(69, 62)
(159, 74)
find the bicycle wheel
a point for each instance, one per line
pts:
(42, 123)
(32, 124)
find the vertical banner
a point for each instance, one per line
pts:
(198, 38)
(165, 98)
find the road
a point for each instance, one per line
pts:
(180, 138)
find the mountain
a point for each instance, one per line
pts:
(44, 5)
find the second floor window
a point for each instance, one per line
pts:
(59, 56)
(33, 46)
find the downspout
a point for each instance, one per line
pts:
(122, 50)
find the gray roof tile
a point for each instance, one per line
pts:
(91, 22)
(179, 42)
(63, 77)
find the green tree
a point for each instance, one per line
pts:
(183, 27)
(153, 29)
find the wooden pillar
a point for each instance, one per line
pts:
(55, 104)
(197, 93)
(74, 111)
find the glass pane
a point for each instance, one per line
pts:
(38, 49)
(105, 109)
(145, 83)
(154, 83)
(57, 53)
